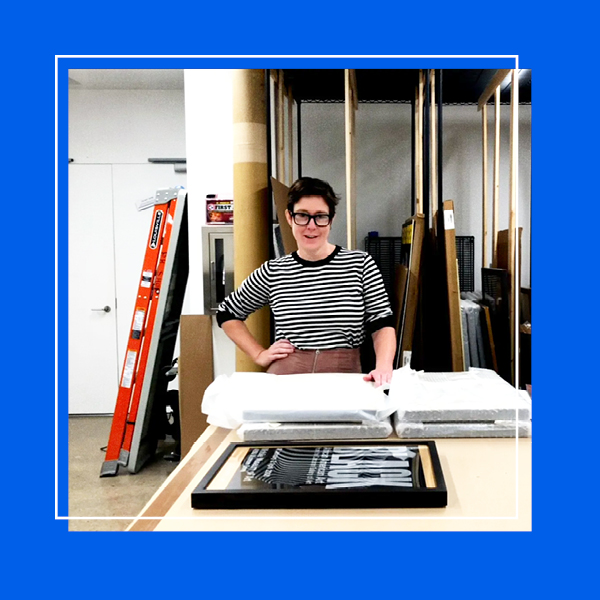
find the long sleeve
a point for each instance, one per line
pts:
(377, 304)
(251, 295)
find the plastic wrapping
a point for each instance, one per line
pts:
(263, 432)
(314, 397)
(475, 403)
(472, 334)
(473, 395)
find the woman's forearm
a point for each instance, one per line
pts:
(245, 341)
(384, 344)
(238, 332)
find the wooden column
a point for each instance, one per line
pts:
(280, 95)
(252, 228)
(493, 87)
(415, 152)
(496, 198)
(484, 219)
(290, 113)
(284, 133)
(351, 105)
(433, 148)
(513, 259)
(419, 144)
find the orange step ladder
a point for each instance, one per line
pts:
(137, 355)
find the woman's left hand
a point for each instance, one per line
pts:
(384, 342)
(379, 376)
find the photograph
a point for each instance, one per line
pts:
(308, 255)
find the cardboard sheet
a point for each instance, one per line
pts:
(195, 375)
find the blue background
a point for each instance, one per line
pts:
(553, 560)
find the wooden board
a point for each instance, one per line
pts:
(399, 290)
(350, 108)
(496, 195)
(456, 341)
(280, 196)
(490, 336)
(492, 86)
(413, 230)
(503, 253)
(484, 205)
(195, 375)
(514, 270)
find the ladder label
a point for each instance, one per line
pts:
(138, 324)
(146, 279)
(154, 239)
(448, 219)
(128, 370)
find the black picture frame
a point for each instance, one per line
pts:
(236, 482)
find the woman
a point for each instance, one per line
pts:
(324, 298)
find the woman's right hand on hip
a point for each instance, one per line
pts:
(280, 349)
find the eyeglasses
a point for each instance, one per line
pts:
(321, 220)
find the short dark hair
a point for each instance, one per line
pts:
(309, 186)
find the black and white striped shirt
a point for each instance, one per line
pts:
(325, 304)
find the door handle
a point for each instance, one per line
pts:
(105, 309)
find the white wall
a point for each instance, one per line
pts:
(463, 176)
(383, 164)
(209, 141)
(126, 126)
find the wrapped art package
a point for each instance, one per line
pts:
(231, 400)
(472, 334)
(473, 395)
(263, 432)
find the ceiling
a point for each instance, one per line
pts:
(459, 86)
(126, 79)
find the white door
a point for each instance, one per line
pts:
(93, 367)
(107, 243)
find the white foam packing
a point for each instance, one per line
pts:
(474, 429)
(231, 400)
(262, 432)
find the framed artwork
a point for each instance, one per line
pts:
(384, 474)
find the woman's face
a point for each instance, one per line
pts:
(311, 239)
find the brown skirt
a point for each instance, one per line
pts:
(341, 360)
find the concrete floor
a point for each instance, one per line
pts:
(123, 495)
